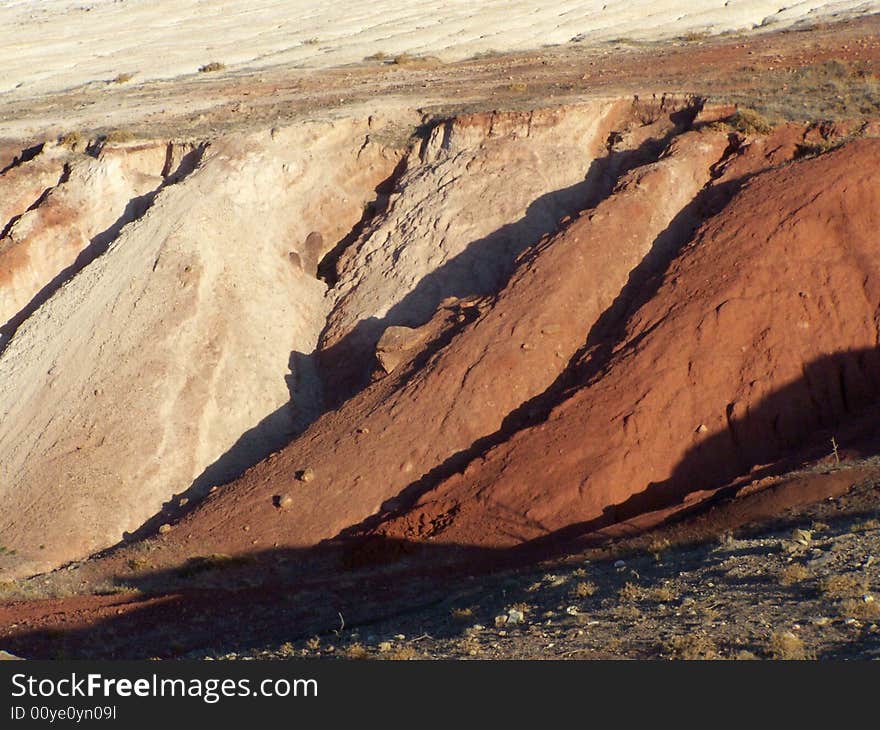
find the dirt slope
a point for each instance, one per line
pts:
(762, 336)
(182, 354)
(445, 394)
(454, 225)
(72, 222)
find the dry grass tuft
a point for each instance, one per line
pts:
(859, 608)
(119, 136)
(356, 651)
(748, 121)
(585, 589)
(792, 574)
(73, 140)
(402, 654)
(629, 593)
(416, 62)
(847, 585)
(205, 563)
(656, 594)
(691, 647)
(658, 546)
(871, 524)
(785, 645)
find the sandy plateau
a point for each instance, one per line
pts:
(398, 299)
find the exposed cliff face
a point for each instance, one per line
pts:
(178, 350)
(512, 325)
(762, 336)
(86, 201)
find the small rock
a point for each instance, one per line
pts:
(500, 620)
(283, 501)
(527, 346)
(515, 616)
(385, 647)
(802, 537)
(619, 564)
(868, 598)
(6, 656)
(551, 329)
(702, 428)
(573, 611)
(164, 529)
(306, 475)
(394, 344)
(183, 502)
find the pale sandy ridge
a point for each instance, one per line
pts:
(56, 44)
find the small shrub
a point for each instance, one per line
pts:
(748, 121)
(656, 594)
(658, 545)
(585, 589)
(785, 645)
(628, 613)
(211, 67)
(660, 594)
(72, 140)
(406, 59)
(691, 647)
(138, 563)
(119, 136)
(859, 608)
(115, 590)
(871, 524)
(402, 654)
(356, 651)
(205, 563)
(792, 574)
(814, 149)
(695, 35)
(843, 586)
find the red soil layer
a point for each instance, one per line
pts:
(430, 411)
(763, 334)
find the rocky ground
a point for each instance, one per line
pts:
(806, 585)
